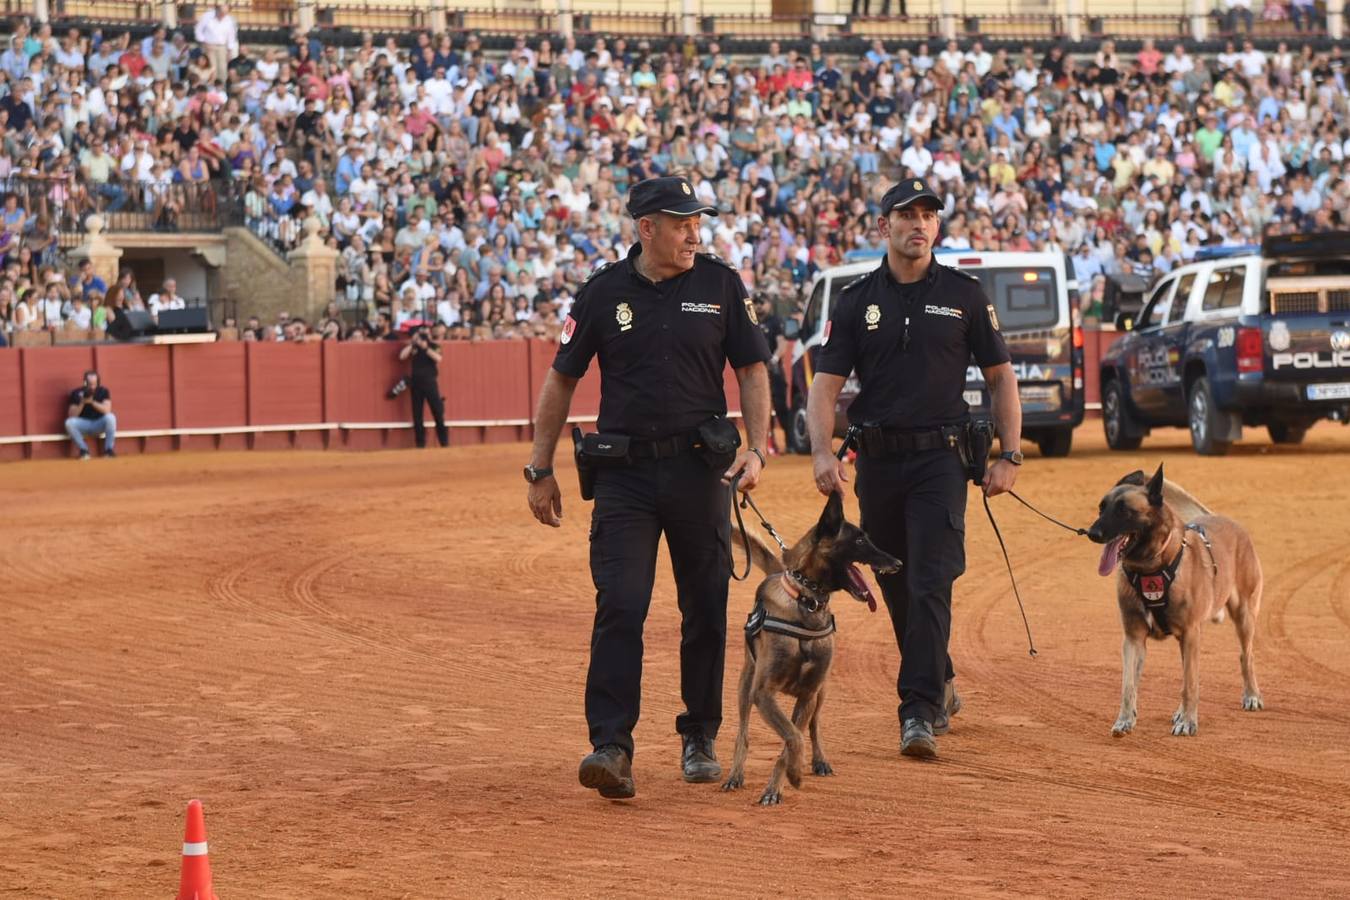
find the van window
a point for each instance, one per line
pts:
(1224, 290)
(1024, 298)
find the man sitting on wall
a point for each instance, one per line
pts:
(90, 413)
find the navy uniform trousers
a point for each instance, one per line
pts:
(686, 500)
(914, 507)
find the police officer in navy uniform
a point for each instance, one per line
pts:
(909, 329)
(664, 322)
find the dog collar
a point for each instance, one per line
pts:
(806, 592)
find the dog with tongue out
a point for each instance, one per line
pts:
(1177, 565)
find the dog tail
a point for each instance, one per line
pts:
(1182, 502)
(763, 556)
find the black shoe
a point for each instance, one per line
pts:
(700, 760)
(951, 705)
(916, 739)
(608, 770)
(110, 453)
(84, 455)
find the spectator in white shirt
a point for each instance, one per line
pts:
(218, 34)
(167, 298)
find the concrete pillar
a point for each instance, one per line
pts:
(1073, 20)
(313, 273)
(168, 13)
(689, 17)
(304, 16)
(948, 11)
(41, 11)
(1336, 19)
(438, 22)
(565, 23)
(98, 250)
(1198, 10)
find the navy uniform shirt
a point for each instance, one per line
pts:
(913, 382)
(662, 346)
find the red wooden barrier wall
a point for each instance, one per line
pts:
(338, 390)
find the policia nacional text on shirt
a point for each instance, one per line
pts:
(663, 322)
(909, 330)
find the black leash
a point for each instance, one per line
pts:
(849, 437)
(1031, 646)
(1081, 532)
(740, 523)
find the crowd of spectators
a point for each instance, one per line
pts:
(479, 190)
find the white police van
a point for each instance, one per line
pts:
(1032, 293)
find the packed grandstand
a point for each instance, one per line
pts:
(478, 188)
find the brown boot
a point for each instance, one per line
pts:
(608, 770)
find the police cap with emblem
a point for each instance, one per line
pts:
(672, 195)
(907, 192)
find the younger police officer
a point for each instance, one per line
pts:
(909, 329)
(664, 323)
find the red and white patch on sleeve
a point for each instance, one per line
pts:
(826, 338)
(568, 329)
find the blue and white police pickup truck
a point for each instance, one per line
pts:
(1255, 335)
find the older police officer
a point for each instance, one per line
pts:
(910, 329)
(664, 323)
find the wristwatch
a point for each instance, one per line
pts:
(1012, 456)
(533, 474)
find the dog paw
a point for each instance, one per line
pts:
(1178, 716)
(1253, 703)
(794, 775)
(734, 783)
(821, 767)
(1185, 728)
(770, 797)
(1122, 727)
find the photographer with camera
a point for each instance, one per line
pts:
(425, 355)
(90, 413)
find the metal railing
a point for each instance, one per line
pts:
(143, 206)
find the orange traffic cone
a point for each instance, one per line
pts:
(195, 883)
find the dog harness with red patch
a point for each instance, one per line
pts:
(1153, 587)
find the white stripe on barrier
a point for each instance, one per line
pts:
(194, 849)
(319, 426)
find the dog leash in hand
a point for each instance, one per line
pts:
(1031, 646)
(746, 500)
(1081, 532)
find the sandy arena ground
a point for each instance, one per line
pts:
(370, 666)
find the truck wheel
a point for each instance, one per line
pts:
(1055, 441)
(1204, 420)
(1122, 432)
(1284, 433)
(797, 439)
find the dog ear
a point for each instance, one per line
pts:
(832, 519)
(1155, 488)
(1136, 478)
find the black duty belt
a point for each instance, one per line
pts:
(882, 441)
(664, 448)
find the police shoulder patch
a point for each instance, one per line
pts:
(713, 257)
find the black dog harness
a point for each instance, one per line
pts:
(809, 597)
(1154, 587)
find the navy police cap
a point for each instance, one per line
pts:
(910, 190)
(672, 194)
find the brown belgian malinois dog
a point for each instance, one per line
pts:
(789, 638)
(1175, 573)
